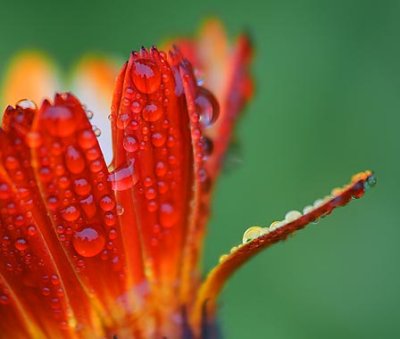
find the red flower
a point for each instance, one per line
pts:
(88, 250)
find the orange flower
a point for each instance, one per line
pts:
(93, 251)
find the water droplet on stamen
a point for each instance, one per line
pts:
(251, 233)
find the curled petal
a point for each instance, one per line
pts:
(258, 238)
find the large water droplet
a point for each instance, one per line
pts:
(123, 177)
(207, 107)
(146, 76)
(88, 242)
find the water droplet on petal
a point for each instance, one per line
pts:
(33, 139)
(207, 107)
(152, 112)
(26, 104)
(251, 233)
(21, 244)
(130, 143)
(74, 160)
(146, 76)
(70, 213)
(292, 216)
(88, 242)
(168, 215)
(123, 177)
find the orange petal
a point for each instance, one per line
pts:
(30, 75)
(36, 268)
(93, 81)
(159, 161)
(257, 238)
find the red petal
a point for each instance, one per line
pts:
(33, 263)
(266, 237)
(74, 181)
(159, 158)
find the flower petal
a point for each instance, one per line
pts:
(257, 238)
(93, 82)
(157, 138)
(40, 274)
(30, 75)
(224, 69)
(74, 182)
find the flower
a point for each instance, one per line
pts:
(90, 250)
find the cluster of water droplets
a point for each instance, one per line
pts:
(354, 190)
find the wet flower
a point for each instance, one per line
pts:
(92, 251)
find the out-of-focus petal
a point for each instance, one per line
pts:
(30, 75)
(224, 69)
(258, 238)
(93, 81)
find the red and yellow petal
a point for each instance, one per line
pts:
(256, 238)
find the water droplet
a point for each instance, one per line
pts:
(251, 233)
(370, 182)
(88, 206)
(88, 242)
(96, 131)
(275, 225)
(82, 187)
(152, 112)
(26, 104)
(307, 209)
(70, 213)
(21, 244)
(89, 115)
(31, 230)
(146, 76)
(161, 169)
(87, 139)
(207, 107)
(59, 121)
(120, 209)
(130, 143)
(107, 203)
(222, 258)
(168, 215)
(292, 216)
(158, 139)
(74, 160)
(123, 177)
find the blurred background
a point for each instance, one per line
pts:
(326, 106)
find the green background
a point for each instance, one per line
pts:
(326, 106)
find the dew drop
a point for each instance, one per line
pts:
(74, 160)
(120, 209)
(168, 215)
(82, 187)
(146, 76)
(59, 121)
(26, 104)
(21, 244)
(292, 216)
(158, 139)
(152, 112)
(88, 242)
(251, 233)
(207, 107)
(107, 203)
(70, 213)
(87, 139)
(130, 143)
(96, 131)
(123, 177)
